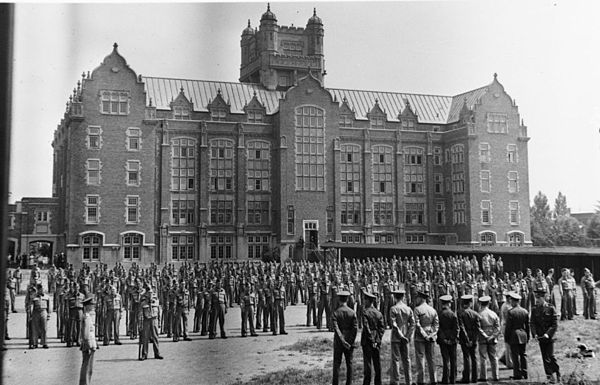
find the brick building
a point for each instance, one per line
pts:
(155, 169)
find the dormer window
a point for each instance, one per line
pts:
(218, 114)
(377, 122)
(408, 125)
(181, 113)
(345, 121)
(114, 102)
(255, 117)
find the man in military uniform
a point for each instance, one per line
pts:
(345, 327)
(19, 277)
(279, 300)
(588, 286)
(133, 307)
(182, 310)
(403, 327)
(324, 304)
(248, 304)
(11, 286)
(87, 340)
(218, 311)
(268, 308)
(543, 327)
(206, 309)
(113, 306)
(198, 305)
(488, 338)
(427, 324)
(311, 302)
(517, 335)
(447, 338)
(148, 317)
(567, 293)
(40, 317)
(469, 324)
(75, 301)
(372, 334)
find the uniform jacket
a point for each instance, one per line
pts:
(470, 326)
(448, 331)
(427, 322)
(490, 326)
(517, 326)
(402, 318)
(373, 327)
(345, 325)
(543, 321)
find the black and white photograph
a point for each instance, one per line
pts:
(298, 193)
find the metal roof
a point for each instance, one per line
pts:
(433, 109)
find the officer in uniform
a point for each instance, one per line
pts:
(148, 317)
(279, 301)
(403, 327)
(113, 305)
(345, 327)
(87, 340)
(40, 317)
(268, 309)
(198, 305)
(488, 338)
(311, 302)
(469, 324)
(133, 306)
(218, 311)
(588, 286)
(517, 335)
(181, 314)
(427, 324)
(171, 322)
(447, 338)
(372, 334)
(543, 327)
(31, 294)
(323, 304)
(11, 285)
(206, 309)
(248, 304)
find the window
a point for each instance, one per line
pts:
(513, 181)
(346, 121)
(93, 172)
(133, 139)
(486, 212)
(259, 166)
(218, 114)
(221, 165)
(41, 216)
(447, 156)
(114, 102)
(459, 213)
(458, 183)
(437, 156)
(92, 209)
(292, 48)
(132, 209)
(258, 210)
(181, 113)
(255, 116)
(221, 246)
(221, 211)
(290, 220)
(383, 238)
(183, 211)
(182, 247)
(487, 238)
(484, 153)
(133, 172)
(329, 219)
(183, 164)
(414, 213)
(448, 184)
(377, 122)
(350, 210)
(515, 239)
(383, 212)
(497, 123)
(408, 125)
(458, 154)
(91, 246)
(438, 181)
(440, 213)
(258, 245)
(513, 212)
(485, 181)
(414, 171)
(351, 238)
(382, 169)
(93, 138)
(132, 244)
(511, 153)
(310, 151)
(415, 238)
(350, 169)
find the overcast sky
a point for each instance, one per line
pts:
(545, 53)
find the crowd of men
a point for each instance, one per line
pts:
(430, 290)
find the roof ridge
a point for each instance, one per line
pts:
(391, 92)
(203, 80)
(473, 90)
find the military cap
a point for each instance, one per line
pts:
(514, 295)
(399, 291)
(540, 292)
(446, 298)
(369, 295)
(343, 293)
(485, 298)
(423, 294)
(467, 297)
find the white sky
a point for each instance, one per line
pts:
(545, 53)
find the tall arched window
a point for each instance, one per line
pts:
(91, 243)
(487, 238)
(132, 245)
(183, 170)
(310, 148)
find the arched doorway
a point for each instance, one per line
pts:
(40, 252)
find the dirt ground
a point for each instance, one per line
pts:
(224, 361)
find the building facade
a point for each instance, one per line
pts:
(153, 169)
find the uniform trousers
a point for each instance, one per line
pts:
(12, 300)
(488, 351)
(268, 316)
(113, 321)
(248, 318)
(278, 317)
(150, 334)
(311, 308)
(566, 305)
(550, 364)
(197, 318)
(323, 306)
(338, 351)
(217, 313)
(205, 318)
(38, 321)
(371, 356)
(75, 315)
(133, 319)
(519, 359)
(589, 303)
(469, 362)
(449, 363)
(400, 352)
(424, 351)
(259, 313)
(180, 324)
(87, 366)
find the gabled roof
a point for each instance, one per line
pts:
(432, 109)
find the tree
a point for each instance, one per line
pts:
(593, 227)
(567, 231)
(560, 205)
(540, 221)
